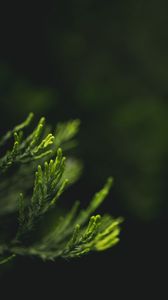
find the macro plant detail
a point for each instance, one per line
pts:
(28, 204)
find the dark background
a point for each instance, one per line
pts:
(106, 63)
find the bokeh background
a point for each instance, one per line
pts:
(106, 63)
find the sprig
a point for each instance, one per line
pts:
(73, 233)
(25, 150)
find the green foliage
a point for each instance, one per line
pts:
(72, 233)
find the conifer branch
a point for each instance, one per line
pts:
(73, 233)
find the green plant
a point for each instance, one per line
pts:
(26, 213)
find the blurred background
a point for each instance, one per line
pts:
(106, 63)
